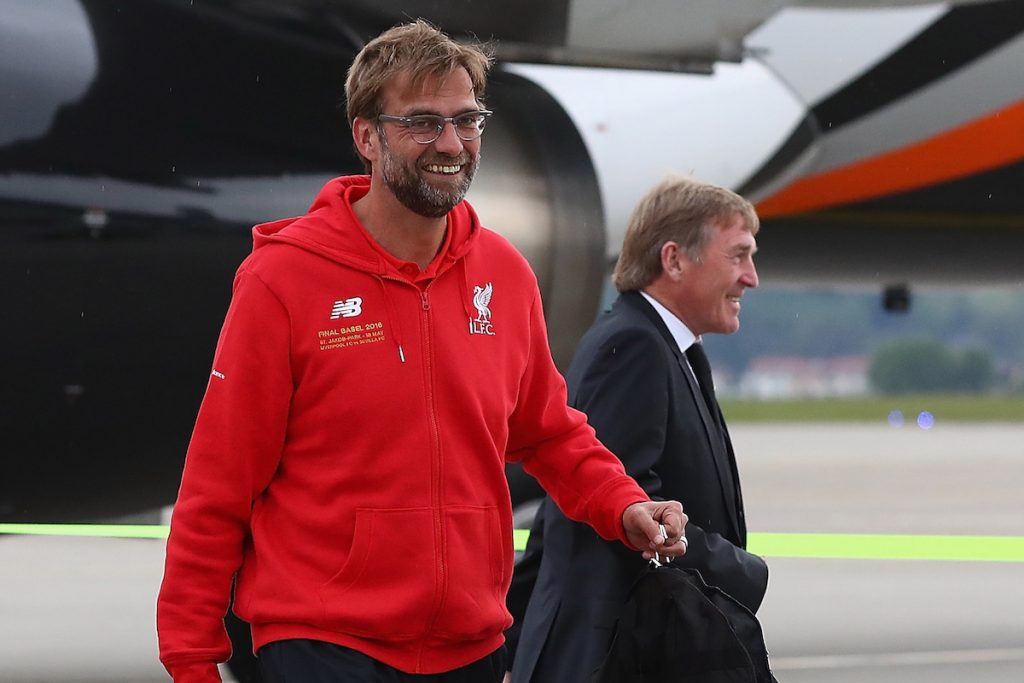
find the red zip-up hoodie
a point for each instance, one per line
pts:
(348, 458)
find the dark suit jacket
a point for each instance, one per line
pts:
(633, 383)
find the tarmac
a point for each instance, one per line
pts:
(82, 609)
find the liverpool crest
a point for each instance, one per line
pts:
(482, 300)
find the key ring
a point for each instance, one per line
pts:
(656, 560)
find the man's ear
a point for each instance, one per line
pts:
(674, 260)
(364, 135)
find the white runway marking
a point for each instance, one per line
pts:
(883, 659)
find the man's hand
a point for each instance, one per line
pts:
(641, 522)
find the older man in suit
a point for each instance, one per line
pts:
(641, 376)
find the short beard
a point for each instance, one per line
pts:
(414, 192)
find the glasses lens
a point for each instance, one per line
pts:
(470, 126)
(425, 128)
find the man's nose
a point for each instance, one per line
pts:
(750, 276)
(448, 142)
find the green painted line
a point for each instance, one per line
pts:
(94, 530)
(889, 547)
(811, 546)
(519, 539)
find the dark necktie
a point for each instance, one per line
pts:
(702, 371)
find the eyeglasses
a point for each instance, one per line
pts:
(425, 128)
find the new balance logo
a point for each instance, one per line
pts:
(347, 308)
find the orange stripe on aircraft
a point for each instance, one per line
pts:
(991, 141)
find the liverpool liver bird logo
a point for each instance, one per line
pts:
(482, 299)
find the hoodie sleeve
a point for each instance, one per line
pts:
(559, 448)
(235, 448)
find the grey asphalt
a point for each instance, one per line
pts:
(82, 610)
(835, 621)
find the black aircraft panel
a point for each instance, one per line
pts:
(122, 219)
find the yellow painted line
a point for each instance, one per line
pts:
(815, 546)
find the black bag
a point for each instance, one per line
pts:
(675, 627)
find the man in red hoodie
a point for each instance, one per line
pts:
(382, 358)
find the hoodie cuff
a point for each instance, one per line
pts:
(610, 503)
(196, 672)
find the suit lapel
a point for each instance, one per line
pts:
(739, 517)
(714, 428)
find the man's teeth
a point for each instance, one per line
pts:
(438, 168)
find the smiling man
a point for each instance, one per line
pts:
(641, 376)
(383, 357)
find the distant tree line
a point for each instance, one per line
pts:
(928, 366)
(949, 340)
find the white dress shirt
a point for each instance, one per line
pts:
(684, 338)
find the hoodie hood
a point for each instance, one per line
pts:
(332, 230)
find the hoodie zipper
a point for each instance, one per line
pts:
(436, 465)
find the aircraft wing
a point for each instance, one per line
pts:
(661, 35)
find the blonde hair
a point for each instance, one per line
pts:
(680, 210)
(417, 49)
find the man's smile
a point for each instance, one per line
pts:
(443, 169)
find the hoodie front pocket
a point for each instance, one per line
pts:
(474, 599)
(387, 587)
